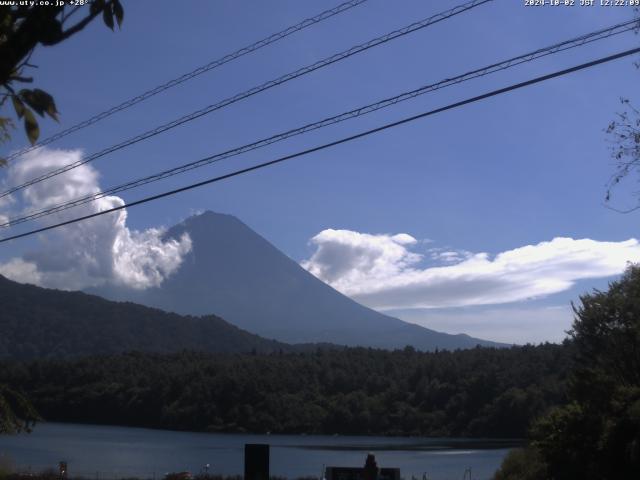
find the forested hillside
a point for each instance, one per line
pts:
(37, 322)
(479, 392)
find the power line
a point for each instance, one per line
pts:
(255, 90)
(335, 143)
(343, 7)
(493, 68)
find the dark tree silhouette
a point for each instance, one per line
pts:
(328, 390)
(624, 134)
(596, 434)
(22, 29)
(16, 412)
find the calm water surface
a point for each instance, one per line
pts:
(115, 452)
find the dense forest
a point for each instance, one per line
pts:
(38, 322)
(595, 434)
(484, 392)
(577, 403)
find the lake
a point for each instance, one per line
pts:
(105, 452)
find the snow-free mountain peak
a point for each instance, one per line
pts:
(236, 274)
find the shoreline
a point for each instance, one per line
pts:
(452, 442)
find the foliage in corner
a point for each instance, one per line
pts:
(17, 414)
(624, 136)
(22, 29)
(596, 434)
(521, 464)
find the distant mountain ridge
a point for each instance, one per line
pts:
(43, 323)
(235, 273)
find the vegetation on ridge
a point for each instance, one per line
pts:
(483, 392)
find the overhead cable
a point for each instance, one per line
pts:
(414, 27)
(343, 7)
(303, 153)
(372, 107)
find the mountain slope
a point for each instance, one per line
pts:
(37, 322)
(235, 273)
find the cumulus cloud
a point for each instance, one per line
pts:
(382, 272)
(343, 257)
(20, 271)
(89, 253)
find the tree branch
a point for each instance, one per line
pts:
(81, 24)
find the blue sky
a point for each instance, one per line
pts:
(492, 177)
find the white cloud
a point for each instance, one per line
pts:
(383, 273)
(343, 257)
(89, 253)
(5, 203)
(20, 271)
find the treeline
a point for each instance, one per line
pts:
(595, 434)
(481, 392)
(37, 322)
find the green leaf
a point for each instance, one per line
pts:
(31, 126)
(53, 112)
(118, 12)
(107, 16)
(18, 106)
(40, 101)
(28, 97)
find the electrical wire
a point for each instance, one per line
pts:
(255, 90)
(366, 133)
(490, 69)
(343, 7)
